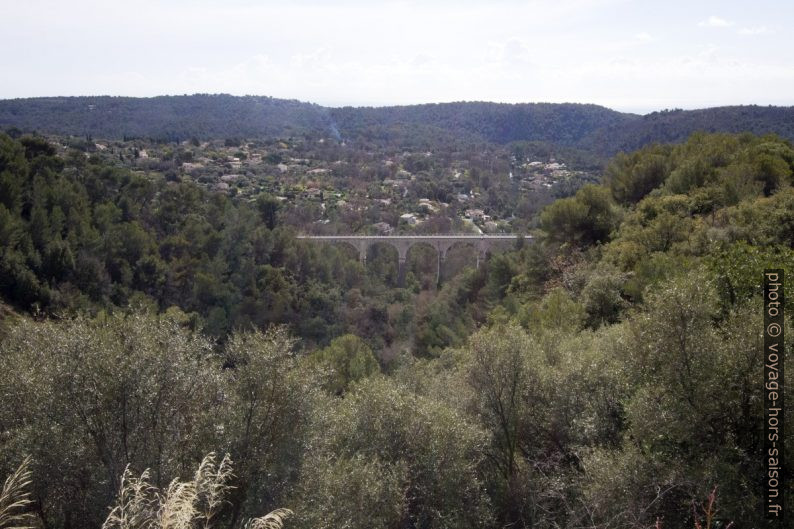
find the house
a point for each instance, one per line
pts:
(427, 205)
(474, 214)
(408, 218)
(383, 228)
(190, 167)
(314, 193)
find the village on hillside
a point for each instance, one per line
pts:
(326, 186)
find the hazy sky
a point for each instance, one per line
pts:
(628, 55)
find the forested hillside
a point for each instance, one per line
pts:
(79, 235)
(86, 229)
(172, 118)
(676, 126)
(591, 128)
(563, 124)
(606, 375)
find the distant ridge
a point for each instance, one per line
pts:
(676, 125)
(590, 127)
(164, 117)
(561, 123)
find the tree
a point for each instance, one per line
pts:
(602, 297)
(430, 457)
(13, 173)
(350, 360)
(111, 391)
(509, 398)
(693, 412)
(355, 492)
(584, 219)
(632, 176)
(268, 207)
(268, 403)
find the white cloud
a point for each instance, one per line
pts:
(643, 37)
(755, 30)
(716, 22)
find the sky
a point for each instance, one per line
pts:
(633, 56)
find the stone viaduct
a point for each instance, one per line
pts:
(482, 244)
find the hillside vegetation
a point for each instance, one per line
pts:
(676, 126)
(606, 375)
(591, 128)
(563, 124)
(172, 118)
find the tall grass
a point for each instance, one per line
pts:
(15, 500)
(192, 504)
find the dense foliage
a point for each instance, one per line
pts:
(564, 124)
(606, 375)
(166, 117)
(86, 230)
(677, 125)
(589, 128)
(79, 233)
